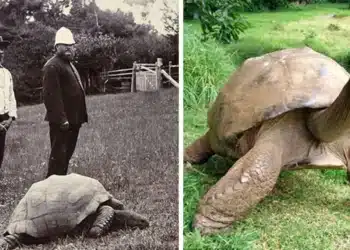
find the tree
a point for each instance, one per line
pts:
(171, 21)
(25, 58)
(106, 40)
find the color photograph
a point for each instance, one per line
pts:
(266, 93)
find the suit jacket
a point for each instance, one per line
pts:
(63, 93)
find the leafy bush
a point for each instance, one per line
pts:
(275, 4)
(220, 19)
(258, 5)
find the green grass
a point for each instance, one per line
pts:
(130, 145)
(208, 64)
(308, 209)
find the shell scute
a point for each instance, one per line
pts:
(269, 85)
(57, 205)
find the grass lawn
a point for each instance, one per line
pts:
(130, 145)
(308, 209)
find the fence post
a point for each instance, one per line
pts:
(102, 77)
(170, 65)
(133, 77)
(159, 65)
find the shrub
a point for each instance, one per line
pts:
(220, 19)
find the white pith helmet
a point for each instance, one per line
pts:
(64, 36)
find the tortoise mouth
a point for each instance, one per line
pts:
(139, 224)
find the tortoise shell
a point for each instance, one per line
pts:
(56, 205)
(267, 86)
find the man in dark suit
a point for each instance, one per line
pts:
(64, 99)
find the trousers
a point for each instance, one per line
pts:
(63, 144)
(2, 146)
(2, 138)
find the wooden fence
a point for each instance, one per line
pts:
(141, 77)
(125, 80)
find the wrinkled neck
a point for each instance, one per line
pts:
(333, 122)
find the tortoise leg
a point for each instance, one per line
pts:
(253, 176)
(199, 151)
(116, 204)
(128, 219)
(250, 179)
(103, 221)
(10, 241)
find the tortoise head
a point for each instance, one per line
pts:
(126, 219)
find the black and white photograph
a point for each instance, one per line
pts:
(89, 124)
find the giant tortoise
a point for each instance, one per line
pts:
(288, 109)
(63, 205)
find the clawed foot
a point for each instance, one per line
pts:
(3, 244)
(207, 226)
(7, 245)
(103, 222)
(189, 168)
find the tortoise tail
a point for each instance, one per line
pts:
(103, 221)
(10, 241)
